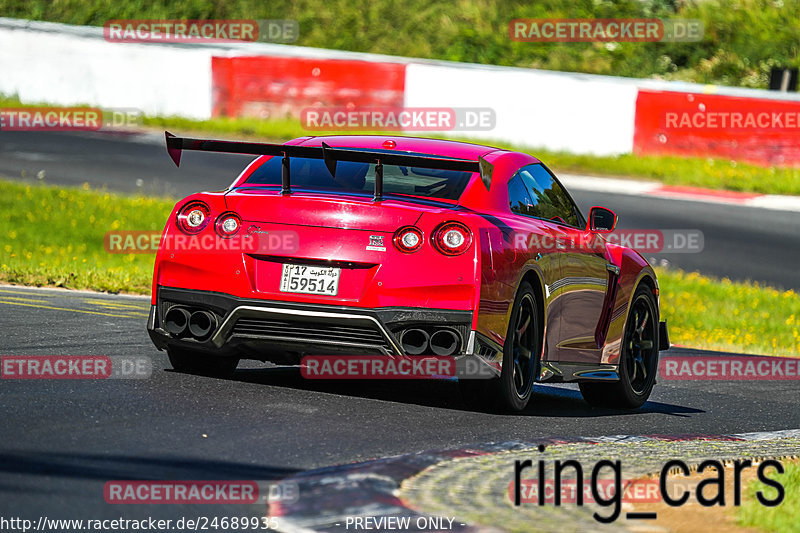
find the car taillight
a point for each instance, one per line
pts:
(408, 239)
(228, 224)
(193, 217)
(452, 238)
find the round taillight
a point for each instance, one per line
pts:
(408, 239)
(228, 224)
(389, 144)
(452, 238)
(193, 217)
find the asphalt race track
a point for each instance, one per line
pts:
(740, 242)
(63, 439)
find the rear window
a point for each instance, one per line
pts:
(360, 177)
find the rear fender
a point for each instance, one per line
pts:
(634, 269)
(467, 266)
(216, 204)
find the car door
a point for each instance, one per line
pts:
(534, 247)
(583, 272)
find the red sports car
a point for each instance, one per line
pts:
(400, 246)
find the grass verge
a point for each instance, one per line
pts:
(710, 173)
(714, 314)
(55, 238)
(781, 519)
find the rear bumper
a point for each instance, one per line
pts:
(284, 331)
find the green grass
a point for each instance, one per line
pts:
(742, 38)
(723, 315)
(55, 238)
(781, 519)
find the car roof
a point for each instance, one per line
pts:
(441, 147)
(475, 193)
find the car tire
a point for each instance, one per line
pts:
(192, 362)
(638, 362)
(522, 350)
(521, 353)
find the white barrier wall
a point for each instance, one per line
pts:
(65, 68)
(579, 113)
(557, 111)
(67, 65)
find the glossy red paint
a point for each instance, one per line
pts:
(356, 234)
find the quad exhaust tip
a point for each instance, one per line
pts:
(416, 341)
(176, 321)
(201, 324)
(444, 342)
(180, 322)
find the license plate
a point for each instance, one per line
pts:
(310, 280)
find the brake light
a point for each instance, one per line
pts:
(408, 239)
(193, 217)
(452, 238)
(228, 224)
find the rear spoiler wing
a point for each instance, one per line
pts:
(175, 145)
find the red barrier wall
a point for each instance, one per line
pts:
(709, 125)
(282, 86)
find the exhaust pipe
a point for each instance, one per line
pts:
(444, 342)
(176, 321)
(201, 324)
(414, 341)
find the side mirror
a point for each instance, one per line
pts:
(601, 220)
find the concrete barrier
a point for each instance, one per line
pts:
(758, 129)
(274, 86)
(602, 115)
(41, 62)
(571, 112)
